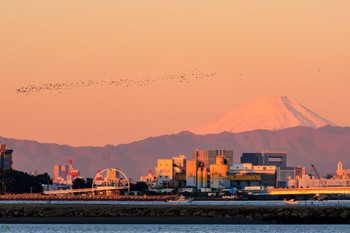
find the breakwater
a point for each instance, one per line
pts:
(39, 197)
(50, 213)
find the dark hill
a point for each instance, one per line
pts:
(323, 147)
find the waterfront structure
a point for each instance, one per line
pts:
(307, 181)
(6, 161)
(242, 175)
(254, 158)
(303, 180)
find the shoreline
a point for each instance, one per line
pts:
(177, 214)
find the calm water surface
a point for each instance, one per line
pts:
(254, 203)
(86, 228)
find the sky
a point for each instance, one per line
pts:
(255, 48)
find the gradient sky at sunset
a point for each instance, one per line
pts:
(296, 48)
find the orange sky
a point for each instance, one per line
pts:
(297, 48)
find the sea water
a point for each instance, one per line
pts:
(92, 228)
(199, 203)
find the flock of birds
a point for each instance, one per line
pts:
(124, 82)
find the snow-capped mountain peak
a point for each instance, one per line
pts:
(267, 112)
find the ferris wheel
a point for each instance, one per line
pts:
(109, 180)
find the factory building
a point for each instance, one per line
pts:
(254, 158)
(5, 157)
(180, 171)
(218, 173)
(171, 172)
(200, 167)
(191, 173)
(267, 158)
(164, 171)
(242, 175)
(278, 159)
(208, 157)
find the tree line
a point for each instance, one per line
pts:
(16, 182)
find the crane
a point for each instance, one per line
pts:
(318, 175)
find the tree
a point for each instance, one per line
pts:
(13, 181)
(139, 186)
(79, 183)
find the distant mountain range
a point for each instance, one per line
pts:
(267, 112)
(323, 147)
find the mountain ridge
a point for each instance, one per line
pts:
(323, 147)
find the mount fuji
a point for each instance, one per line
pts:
(269, 113)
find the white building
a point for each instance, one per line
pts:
(340, 179)
(167, 169)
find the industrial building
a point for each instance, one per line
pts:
(278, 159)
(242, 175)
(198, 170)
(191, 174)
(254, 158)
(171, 172)
(6, 161)
(218, 173)
(267, 158)
(208, 157)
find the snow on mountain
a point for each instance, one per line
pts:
(268, 112)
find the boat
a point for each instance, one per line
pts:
(181, 199)
(290, 202)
